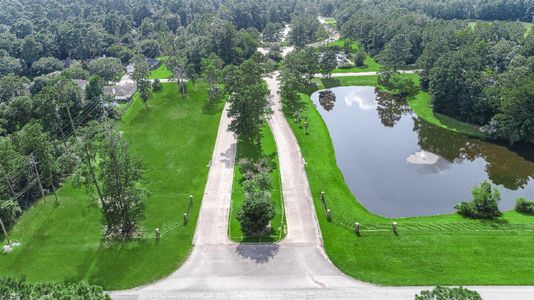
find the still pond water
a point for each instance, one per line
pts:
(397, 165)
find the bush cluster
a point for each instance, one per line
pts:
(446, 293)
(9, 212)
(18, 288)
(484, 204)
(258, 208)
(522, 205)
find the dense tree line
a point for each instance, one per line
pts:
(37, 36)
(481, 73)
(511, 10)
(57, 56)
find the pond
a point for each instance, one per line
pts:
(397, 165)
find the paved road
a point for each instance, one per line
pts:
(296, 268)
(356, 74)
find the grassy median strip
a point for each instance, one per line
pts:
(64, 242)
(245, 150)
(444, 249)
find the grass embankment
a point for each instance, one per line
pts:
(63, 242)
(423, 108)
(370, 64)
(248, 151)
(444, 250)
(161, 72)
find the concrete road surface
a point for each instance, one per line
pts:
(295, 268)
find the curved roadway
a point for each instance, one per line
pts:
(297, 267)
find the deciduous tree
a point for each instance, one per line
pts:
(248, 97)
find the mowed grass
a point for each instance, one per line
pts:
(330, 21)
(245, 150)
(63, 241)
(162, 71)
(446, 250)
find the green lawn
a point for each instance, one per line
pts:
(370, 64)
(245, 150)
(330, 21)
(161, 72)
(63, 241)
(444, 250)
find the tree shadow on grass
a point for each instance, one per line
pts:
(260, 254)
(248, 150)
(212, 108)
(330, 82)
(113, 261)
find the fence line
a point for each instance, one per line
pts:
(430, 227)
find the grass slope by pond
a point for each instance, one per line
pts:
(444, 249)
(245, 150)
(63, 242)
(423, 108)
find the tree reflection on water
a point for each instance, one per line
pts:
(504, 165)
(327, 99)
(390, 110)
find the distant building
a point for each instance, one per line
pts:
(122, 92)
(342, 58)
(153, 63)
(130, 69)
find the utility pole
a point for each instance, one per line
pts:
(4, 231)
(92, 171)
(60, 125)
(71, 122)
(36, 170)
(9, 186)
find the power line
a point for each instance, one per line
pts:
(77, 121)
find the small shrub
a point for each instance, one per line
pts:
(156, 85)
(446, 293)
(484, 204)
(359, 59)
(523, 206)
(9, 212)
(345, 66)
